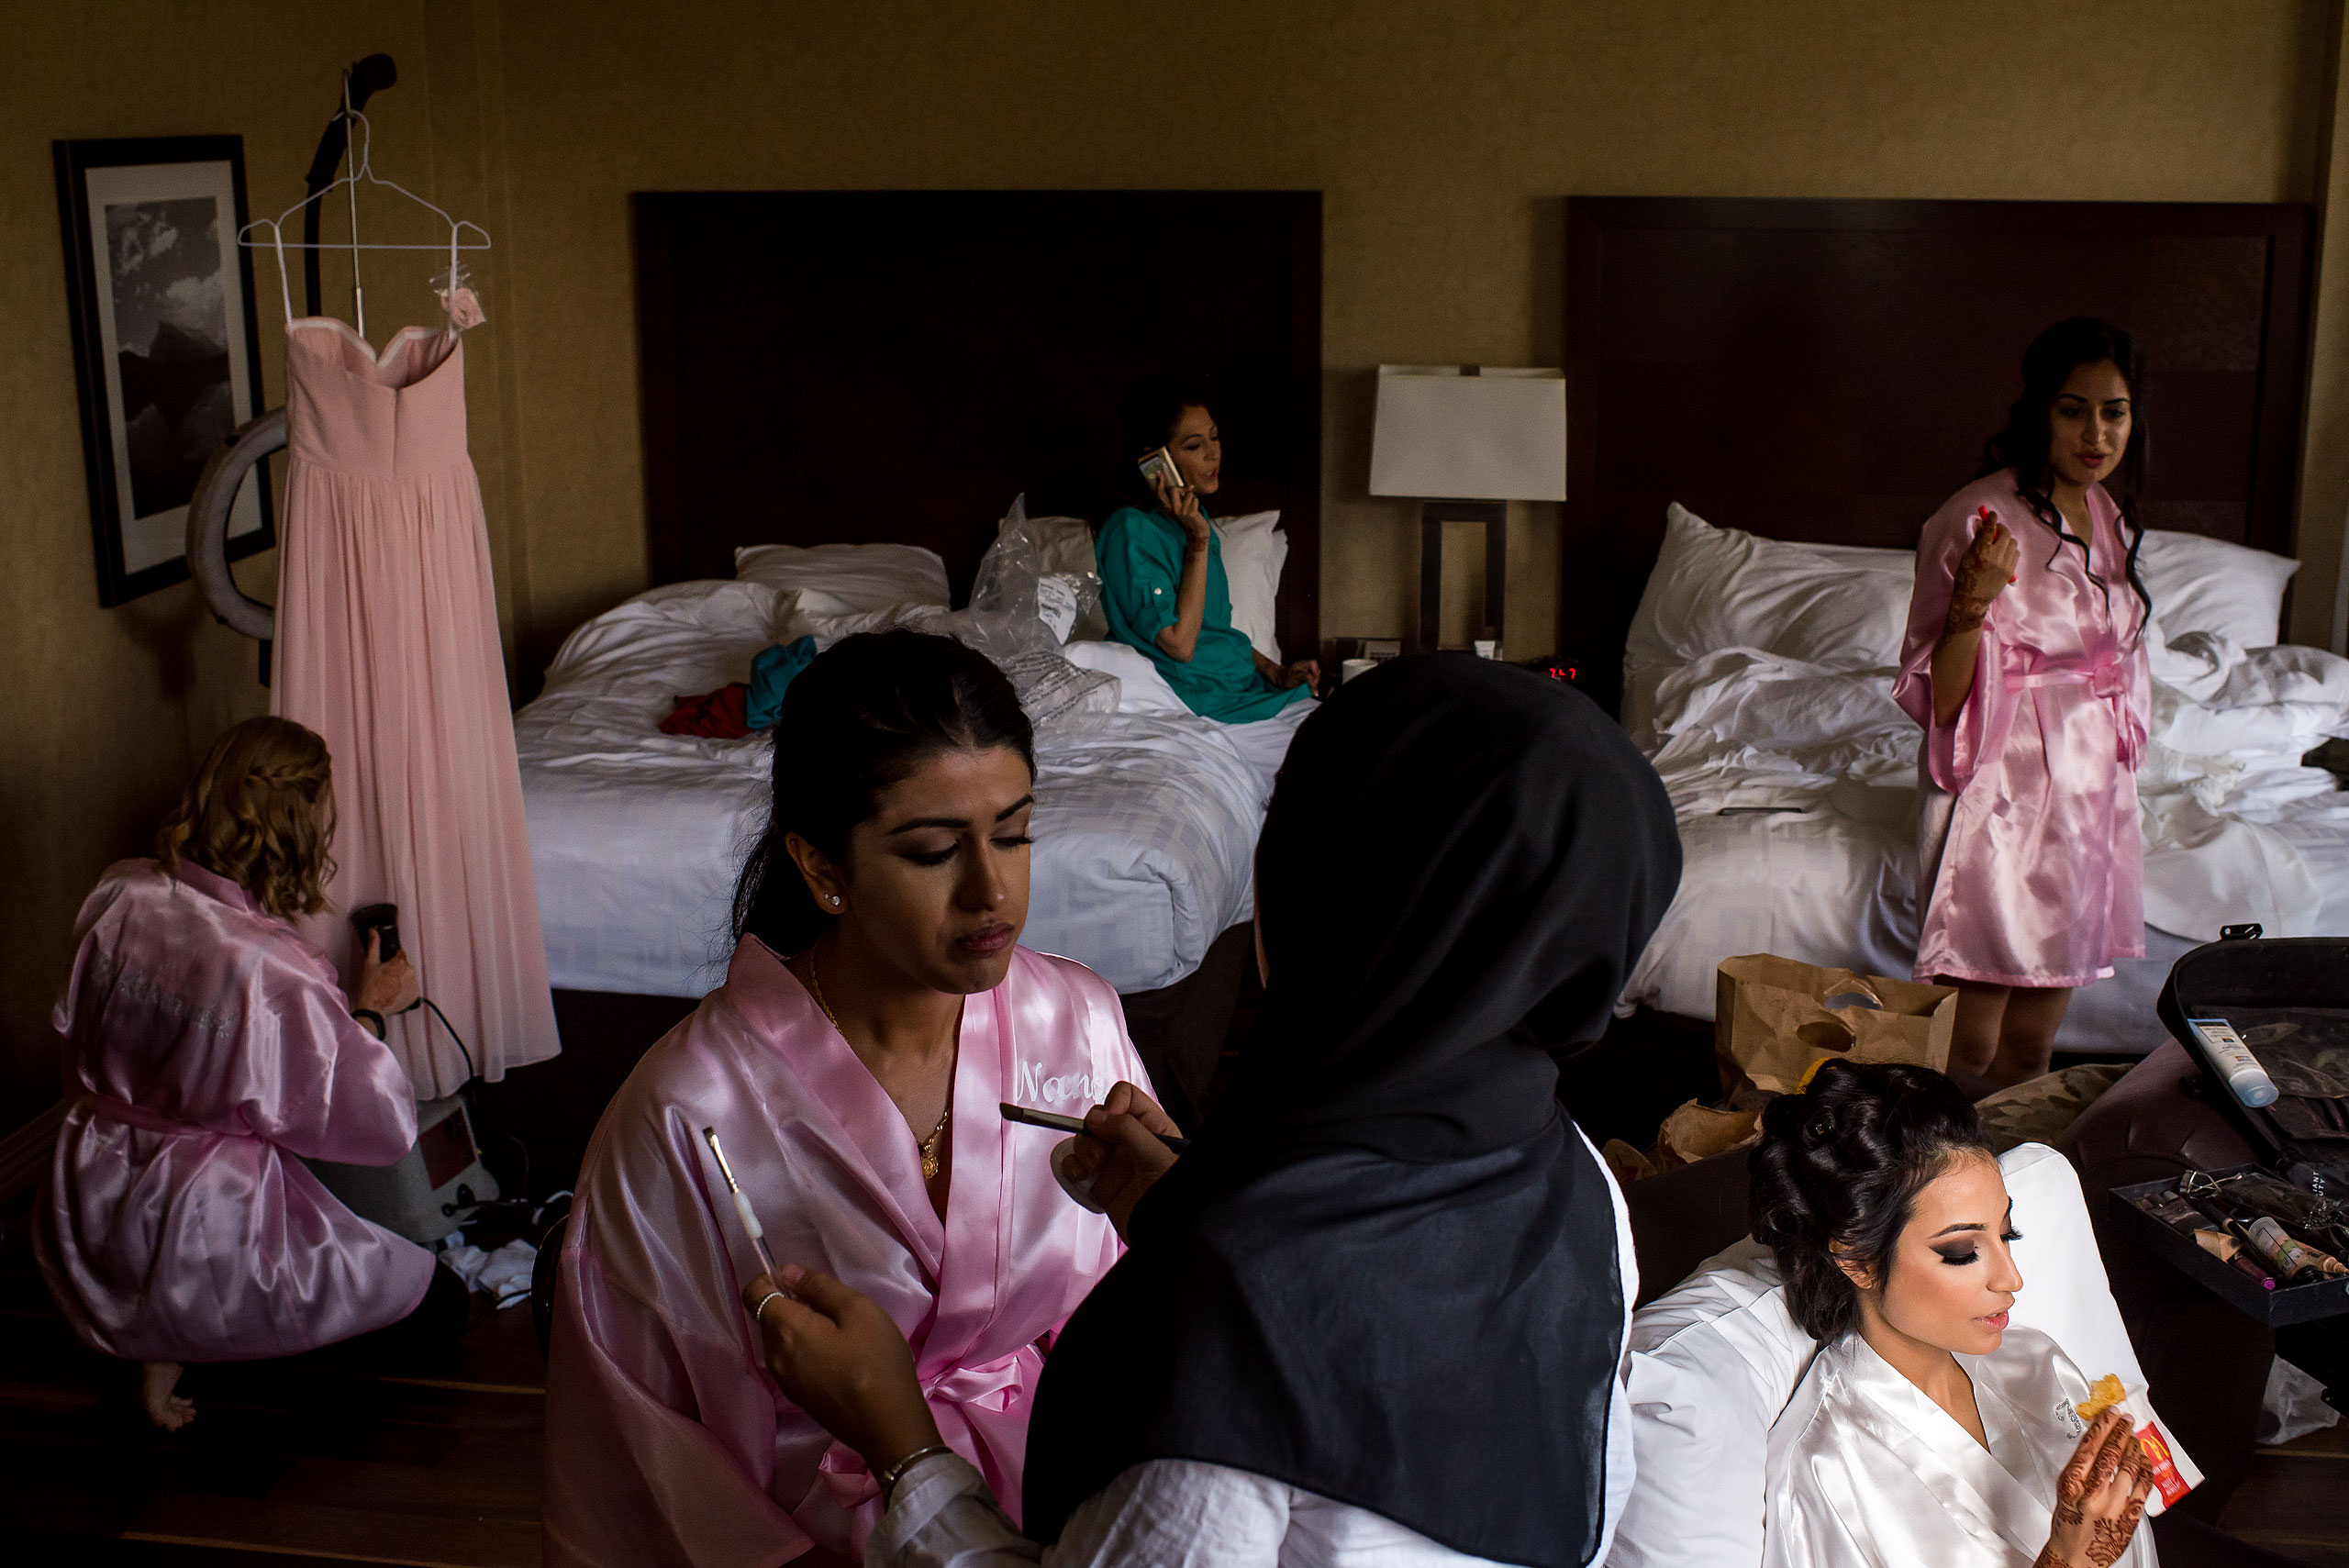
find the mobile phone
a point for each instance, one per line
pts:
(1160, 461)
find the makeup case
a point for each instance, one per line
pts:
(2285, 1002)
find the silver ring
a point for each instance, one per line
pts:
(758, 1313)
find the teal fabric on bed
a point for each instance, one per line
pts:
(772, 674)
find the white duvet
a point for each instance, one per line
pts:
(1795, 786)
(1145, 821)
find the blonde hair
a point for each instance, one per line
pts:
(260, 812)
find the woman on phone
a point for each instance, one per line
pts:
(1927, 1430)
(1162, 585)
(878, 1010)
(2025, 663)
(1376, 1313)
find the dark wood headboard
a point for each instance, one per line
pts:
(866, 366)
(1827, 371)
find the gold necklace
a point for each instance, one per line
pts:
(929, 1146)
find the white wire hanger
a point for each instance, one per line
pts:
(362, 169)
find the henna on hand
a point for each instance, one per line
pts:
(1966, 615)
(2050, 1558)
(2109, 1540)
(2072, 1485)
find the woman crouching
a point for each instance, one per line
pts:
(207, 1047)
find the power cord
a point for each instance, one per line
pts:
(471, 1071)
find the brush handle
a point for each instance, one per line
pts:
(1070, 1124)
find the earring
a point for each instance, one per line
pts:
(836, 900)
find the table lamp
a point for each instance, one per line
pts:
(1467, 440)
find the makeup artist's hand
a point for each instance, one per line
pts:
(840, 1358)
(1120, 1158)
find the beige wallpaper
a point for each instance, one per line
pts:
(1444, 135)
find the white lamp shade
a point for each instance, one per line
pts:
(1497, 435)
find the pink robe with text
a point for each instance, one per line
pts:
(2029, 850)
(667, 1442)
(206, 1045)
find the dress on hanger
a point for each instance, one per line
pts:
(387, 646)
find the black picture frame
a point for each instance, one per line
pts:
(145, 260)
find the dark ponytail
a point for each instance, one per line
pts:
(1837, 1175)
(2023, 445)
(858, 719)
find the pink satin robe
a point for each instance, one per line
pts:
(667, 1442)
(206, 1046)
(2028, 839)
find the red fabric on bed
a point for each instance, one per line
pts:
(721, 715)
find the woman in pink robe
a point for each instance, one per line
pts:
(2025, 663)
(853, 1085)
(207, 1047)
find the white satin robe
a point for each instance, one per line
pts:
(1863, 1470)
(206, 1046)
(667, 1442)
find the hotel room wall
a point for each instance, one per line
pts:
(1444, 136)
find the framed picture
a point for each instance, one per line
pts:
(166, 348)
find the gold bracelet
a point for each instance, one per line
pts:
(896, 1473)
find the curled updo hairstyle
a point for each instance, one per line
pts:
(2024, 443)
(1837, 1175)
(1147, 418)
(866, 713)
(260, 812)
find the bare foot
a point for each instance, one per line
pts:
(168, 1410)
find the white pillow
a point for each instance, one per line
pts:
(1714, 1361)
(1255, 550)
(2209, 584)
(1140, 688)
(847, 579)
(1840, 606)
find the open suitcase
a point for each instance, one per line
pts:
(2286, 1001)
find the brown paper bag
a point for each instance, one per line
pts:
(1772, 1018)
(1697, 1132)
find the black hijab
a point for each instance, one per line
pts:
(1385, 1272)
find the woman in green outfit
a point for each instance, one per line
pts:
(1163, 586)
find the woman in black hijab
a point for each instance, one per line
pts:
(1380, 1304)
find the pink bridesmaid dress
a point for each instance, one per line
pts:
(388, 646)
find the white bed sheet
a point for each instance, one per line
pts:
(1795, 788)
(1145, 823)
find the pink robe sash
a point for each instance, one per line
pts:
(207, 1047)
(667, 1442)
(2029, 849)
